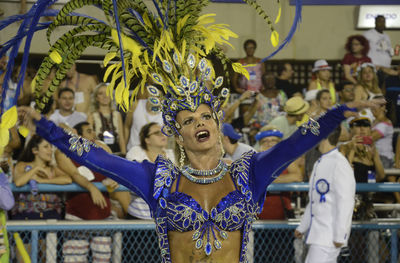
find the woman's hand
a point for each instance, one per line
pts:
(27, 115)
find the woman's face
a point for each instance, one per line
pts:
(325, 102)
(324, 74)
(44, 151)
(250, 49)
(356, 47)
(102, 97)
(268, 142)
(367, 74)
(155, 137)
(198, 129)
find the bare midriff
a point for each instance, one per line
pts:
(183, 250)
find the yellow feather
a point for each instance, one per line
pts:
(109, 70)
(9, 118)
(237, 67)
(181, 23)
(147, 20)
(274, 38)
(108, 57)
(23, 131)
(4, 137)
(206, 19)
(278, 18)
(56, 57)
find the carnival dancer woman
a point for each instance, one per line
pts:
(203, 208)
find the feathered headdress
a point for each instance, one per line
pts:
(169, 46)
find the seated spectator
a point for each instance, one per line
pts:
(142, 113)
(324, 103)
(231, 109)
(270, 102)
(322, 78)
(35, 166)
(346, 92)
(361, 150)
(253, 66)
(66, 114)
(295, 109)
(362, 154)
(357, 48)
(106, 121)
(6, 203)
(382, 134)
(283, 81)
(367, 86)
(90, 205)
(152, 143)
(277, 206)
(230, 141)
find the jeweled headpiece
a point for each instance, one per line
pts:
(169, 46)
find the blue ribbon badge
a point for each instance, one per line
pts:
(322, 187)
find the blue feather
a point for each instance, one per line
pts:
(158, 10)
(15, 18)
(137, 15)
(296, 22)
(166, 15)
(121, 47)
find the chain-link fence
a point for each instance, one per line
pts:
(136, 241)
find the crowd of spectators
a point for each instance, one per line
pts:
(268, 108)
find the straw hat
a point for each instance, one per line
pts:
(296, 106)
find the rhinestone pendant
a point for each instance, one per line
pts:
(208, 249)
(217, 244)
(199, 243)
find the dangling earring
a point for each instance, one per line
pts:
(182, 157)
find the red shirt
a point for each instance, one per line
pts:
(82, 206)
(274, 203)
(350, 59)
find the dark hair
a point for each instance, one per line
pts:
(264, 76)
(333, 137)
(341, 85)
(65, 89)
(249, 41)
(281, 68)
(232, 141)
(144, 133)
(379, 16)
(319, 94)
(360, 38)
(48, 106)
(79, 127)
(27, 154)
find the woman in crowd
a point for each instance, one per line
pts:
(323, 101)
(368, 86)
(357, 48)
(152, 143)
(253, 66)
(35, 166)
(322, 78)
(107, 122)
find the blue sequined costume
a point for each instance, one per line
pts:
(177, 211)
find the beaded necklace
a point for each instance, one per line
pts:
(191, 174)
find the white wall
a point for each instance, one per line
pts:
(322, 32)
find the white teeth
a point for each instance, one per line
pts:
(201, 134)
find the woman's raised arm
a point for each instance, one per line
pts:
(136, 176)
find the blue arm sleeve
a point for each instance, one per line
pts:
(136, 176)
(268, 165)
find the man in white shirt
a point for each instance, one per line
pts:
(327, 219)
(380, 50)
(66, 114)
(232, 147)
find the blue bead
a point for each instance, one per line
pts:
(199, 243)
(186, 223)
(177, 217)
(208, 249)
(223, 224)
(213, 213)
(205, 215)
(163, 203)
(168, 181)
(227, 214)
(235, 218)
(193, 216)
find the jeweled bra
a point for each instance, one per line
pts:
(178, 211)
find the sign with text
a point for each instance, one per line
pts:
(367, 14)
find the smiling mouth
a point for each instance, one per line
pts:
(202, 136)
